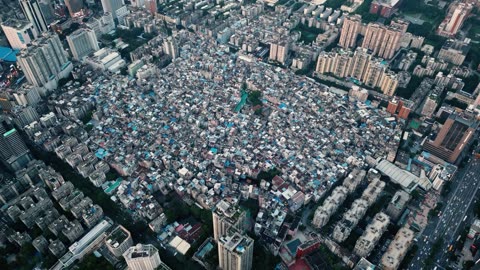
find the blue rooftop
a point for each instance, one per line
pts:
(8, 55)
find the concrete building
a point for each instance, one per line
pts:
(371, 235)
(457, 14)
(397, 205)
(33, 12)
(14, 154)
(397, 249)
(381, 40)
(82, 42)
(226, 216)
(33, 61)
(350, 30)
(119, 241)
(454, 51)
(453, 138)
(112, 6)
(143, 257)
(75, 7)
(170, 47)
(101, 24)
(84, 246)
(106, 59)
(151, 6)
(19, 33)
(279, 51)
(235, 251)
(330, 205)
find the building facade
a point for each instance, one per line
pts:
(19, 33)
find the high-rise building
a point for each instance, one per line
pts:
(75, 7)
(170, 47)
(382, 40)
(112, 6)
(226, 216)
(82, 42)
(44, 62)
(350, 30)
(279, 51)
(33, 12)
(143, 257)
(457, 14)
(119, 241)
(389, 83)
(151, 5)
(359, 63)
(19, 33)
(14, 154)
(235, 251)
(453, 138)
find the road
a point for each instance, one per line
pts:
(446, 227)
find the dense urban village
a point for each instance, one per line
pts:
(253, 134)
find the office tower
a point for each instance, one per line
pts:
(151, 5)
(453, 138)
(226, 216)
(170, 47)
(33, 12)
(350, 30)
(112, 6)
(75, 7)
(143, 257)
(235, 251)
(44, 62)
(82, 42)
(19, 33)
(14, 154)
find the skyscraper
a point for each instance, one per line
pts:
(19, 33)
(235, 251)
(112, 6)
(14, 154)
(74, 7)
(351, 28)
(82, 42)
(33, 12)
(44, 62)
(453, 138)
(143, 257)
(226, 216)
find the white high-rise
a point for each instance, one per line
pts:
(143, 257)
(33, 12)
(44, 62)
(170, 47)
(19, 33)
(112, 6)
(235, 252)
(82, 42)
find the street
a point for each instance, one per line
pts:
(446, 228)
